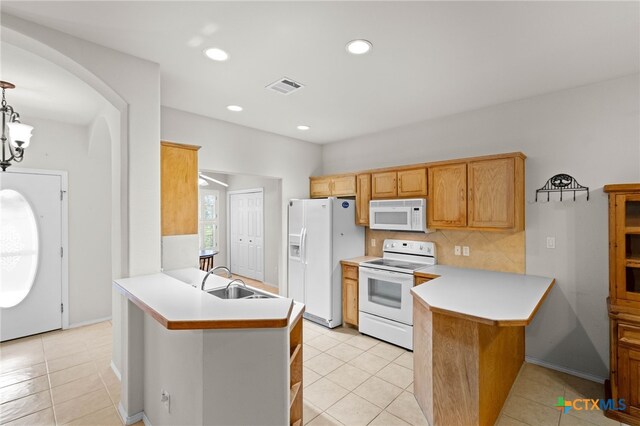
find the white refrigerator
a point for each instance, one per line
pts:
(322, 232)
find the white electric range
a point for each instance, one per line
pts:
(386, 305)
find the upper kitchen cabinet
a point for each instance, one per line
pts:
(332, 186)
(495, 195)
(412, 183)
(179, 188)
(384, 185)
(343, 186)
(448, 196)
(363, 196)
(320, 187)
(479, 193)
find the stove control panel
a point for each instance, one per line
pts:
(424, 248)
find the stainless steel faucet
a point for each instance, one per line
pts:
(237, 280)
(217, 268)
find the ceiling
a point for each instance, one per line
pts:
(45, 90)
(429, 59)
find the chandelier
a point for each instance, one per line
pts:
(15, 135)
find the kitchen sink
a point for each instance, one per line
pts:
(233, 292)
(238, 292)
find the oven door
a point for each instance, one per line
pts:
(390, 218)
(386, 294)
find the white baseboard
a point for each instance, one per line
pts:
(90, 322)
(564, 370)
(129, 420)
(145, 420)
(116, 371)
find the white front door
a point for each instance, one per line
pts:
(30, 254)
(246, 224)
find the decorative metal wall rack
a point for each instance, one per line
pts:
(562, 183)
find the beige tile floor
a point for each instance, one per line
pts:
(64, 377)
(351, 379)
(61, 377)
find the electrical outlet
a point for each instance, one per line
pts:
(551, 242)
(373, 242)
(165, 398)
(465, 250)
(457, 251)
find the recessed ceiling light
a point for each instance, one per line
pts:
(303, 127)
(216, 54)
(234, 108)
(359, 47)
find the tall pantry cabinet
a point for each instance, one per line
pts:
(624, 300)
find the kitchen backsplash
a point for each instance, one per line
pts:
(495, 251)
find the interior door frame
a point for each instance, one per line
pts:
(228, 224)
(64, 229)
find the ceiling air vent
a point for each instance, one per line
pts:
(285, 86)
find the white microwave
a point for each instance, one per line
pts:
(399, 215)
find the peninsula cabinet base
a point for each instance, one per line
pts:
(463, 369)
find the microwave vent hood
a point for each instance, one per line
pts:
(397, 203)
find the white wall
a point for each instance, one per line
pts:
(131, 85)
(233, 149)
(272, 219)
(590, 132)
(86, 156)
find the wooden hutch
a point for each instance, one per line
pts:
(624, 300)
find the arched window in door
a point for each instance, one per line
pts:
(19, 248)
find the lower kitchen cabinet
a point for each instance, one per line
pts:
(421, 280)
(350, 294)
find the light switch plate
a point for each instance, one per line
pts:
(465, 250)
(551, 242)
(373, 242)
(457, 251)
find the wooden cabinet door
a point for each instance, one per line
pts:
(179, 188)
(448, 196)
(627, 240)
(343, 186)
(350, 294)
(491, 193)
(350, 301)
(320, 187)
(412, 183)
(383, 185)
(363, 196)
(629, 377)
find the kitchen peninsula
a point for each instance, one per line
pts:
(469, 340)
(209, 360)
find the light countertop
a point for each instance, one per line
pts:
(497, 298)
(172, 300)
(355, 261)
